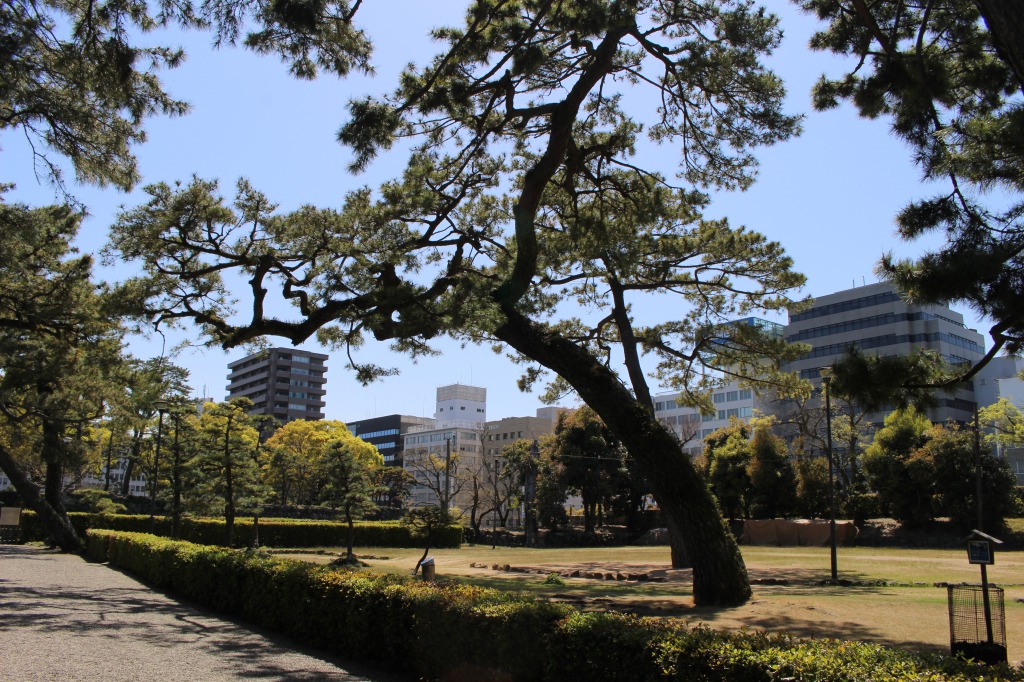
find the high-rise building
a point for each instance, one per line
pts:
(876, 320)
(285, 383)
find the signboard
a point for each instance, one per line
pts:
(980, 552)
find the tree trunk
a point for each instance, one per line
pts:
(719, 575)
(58, 522)
(229, 489)
(680, 557)
(129, 469)
(350, 555)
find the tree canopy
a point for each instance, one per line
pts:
(79, 82)
(949, 75)
(59, 345)
(523, 190)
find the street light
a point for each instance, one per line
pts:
(826, 379)
(161, 407)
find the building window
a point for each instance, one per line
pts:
(718, 397)
(745, 394)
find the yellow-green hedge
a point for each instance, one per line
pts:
(433, 630)
(273, 532)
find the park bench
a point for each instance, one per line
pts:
(10, 525)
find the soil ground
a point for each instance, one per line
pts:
(897, 596)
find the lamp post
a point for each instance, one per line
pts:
(494, 512)
(161, 407)
(826, 379)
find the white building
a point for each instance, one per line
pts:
(691, 427)
(457, 429)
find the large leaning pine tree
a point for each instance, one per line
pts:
(526, 218)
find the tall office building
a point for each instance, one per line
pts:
(286, 383)
(875, 319)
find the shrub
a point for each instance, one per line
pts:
(450, 630)
(273, 532)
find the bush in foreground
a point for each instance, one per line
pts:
(435, 629)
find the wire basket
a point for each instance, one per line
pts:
(973, 633)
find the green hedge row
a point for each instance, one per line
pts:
(273, 532)
(447, 629)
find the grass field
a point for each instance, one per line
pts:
(894, 599)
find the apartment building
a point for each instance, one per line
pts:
(285, 383)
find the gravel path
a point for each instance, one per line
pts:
(62, 618)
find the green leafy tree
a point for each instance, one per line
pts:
(226, 468)
(864, 384)
(349, 487)
(899, 471)
(133, 412)
(771, 474)
(551, 495)
(526, 99)
(812, 487)
(589, 461)
(949, 75)
(952, 450)
(1003, 422)
(391, 486)
(728, 454)
(297, 468)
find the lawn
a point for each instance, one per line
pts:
(893, 600)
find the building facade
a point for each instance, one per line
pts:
(731, 401)
(501, 433)
(435, 453)
(285, 383)
(876, 320)
(388, 434)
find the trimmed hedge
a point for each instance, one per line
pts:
(273, 532)
(442, 629)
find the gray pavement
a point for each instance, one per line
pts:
(63, 618)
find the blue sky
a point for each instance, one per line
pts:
(829, 196)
